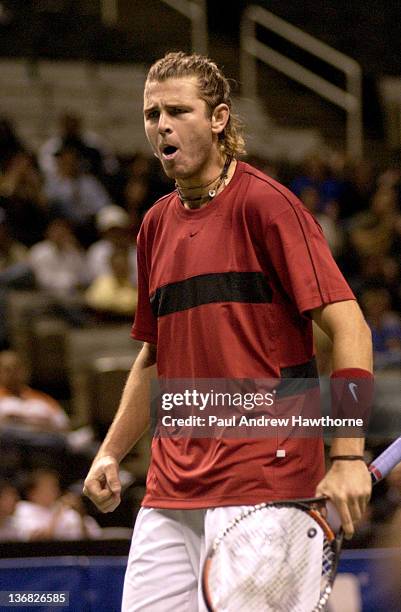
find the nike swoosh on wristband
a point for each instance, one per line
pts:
(352, 387)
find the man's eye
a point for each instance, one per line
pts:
(152, 115)
(178, 111)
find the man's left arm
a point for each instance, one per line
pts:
(347, 483)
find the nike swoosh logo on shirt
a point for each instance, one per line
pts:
(352, 387)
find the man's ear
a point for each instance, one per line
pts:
(220, 117)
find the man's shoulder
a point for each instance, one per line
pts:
(154, 213)
(266, 194)
(265, 185)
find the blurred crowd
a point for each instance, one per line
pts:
(36, 509)
(69, 215)
(68, 220)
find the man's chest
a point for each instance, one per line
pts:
(184, 249)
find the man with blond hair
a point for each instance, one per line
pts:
(232, 270)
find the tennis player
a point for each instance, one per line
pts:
(232, 272)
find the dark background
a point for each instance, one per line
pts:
(369, 31)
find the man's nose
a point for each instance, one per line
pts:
(164, 124)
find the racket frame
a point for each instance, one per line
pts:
(308, 505)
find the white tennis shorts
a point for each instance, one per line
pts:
(166, 558)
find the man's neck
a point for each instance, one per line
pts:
(198, 196)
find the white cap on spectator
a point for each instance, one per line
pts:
(111, 216)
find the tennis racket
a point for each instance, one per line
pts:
(279, 556)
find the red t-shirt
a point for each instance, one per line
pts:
(224, 291)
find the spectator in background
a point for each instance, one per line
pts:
(14, 273)
(374, 231)
(74, 193)
(22, 406)
(34, 428)
(332, 231)
(113, 293)
(14, 268)
(316, 174)
(48, 515)
(12, 252)
(10, 143)
(59, 267)
(144, 184)
(140, 165)
(391, 270)
(145, 171)
(385, 325)
(32, 425)
(23, 199)
(8, 502)
(366, 271)
(391, 178)
(136, 200)
(359, 187)
(59, 263)
(112, 223)
(97, 158)
(378, 271)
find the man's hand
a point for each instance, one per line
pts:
(102, 484)
(348, 485)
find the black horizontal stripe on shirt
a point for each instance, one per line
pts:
(297, 379)
(302, 370)
(246, 287)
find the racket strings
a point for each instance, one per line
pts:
(257, 580)
(274, 560)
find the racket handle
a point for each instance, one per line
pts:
(333, 517)
(384, 463)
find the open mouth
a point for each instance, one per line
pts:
(169, 151)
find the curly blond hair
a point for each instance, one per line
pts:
(214, 89)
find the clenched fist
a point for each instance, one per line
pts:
(102, 484)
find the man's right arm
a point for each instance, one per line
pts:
(102, 484)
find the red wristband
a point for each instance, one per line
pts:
(352, 373)
(352, 392)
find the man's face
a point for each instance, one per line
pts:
(178, 127)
